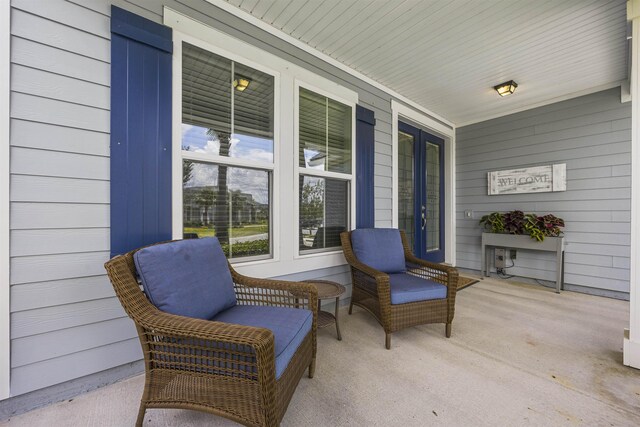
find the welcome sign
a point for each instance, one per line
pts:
(538, 179)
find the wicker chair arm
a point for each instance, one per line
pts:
(208, 347)
(275, 292)
(410, 258)
(378, 275)
(172, 325)
(381, 279)
(448, 276)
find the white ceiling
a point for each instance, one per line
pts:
(447, 55)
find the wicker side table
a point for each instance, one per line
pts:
(326, 290)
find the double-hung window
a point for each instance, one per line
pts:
(325, 170)
(263, 154)
(227, 141)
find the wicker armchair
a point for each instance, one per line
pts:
(221, 368)
(372, 291)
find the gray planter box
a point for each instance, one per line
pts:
(549, 244)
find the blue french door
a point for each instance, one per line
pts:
(421, 191)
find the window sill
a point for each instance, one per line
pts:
(299, 264)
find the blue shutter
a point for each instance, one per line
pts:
(141, 52)
(365, 144)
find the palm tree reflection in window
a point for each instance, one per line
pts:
(220, 222)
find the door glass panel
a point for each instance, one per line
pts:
(433, 197)
(406, 206)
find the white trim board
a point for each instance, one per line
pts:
(398, 111)
(227, 7)
(631, 340)
(5, 87)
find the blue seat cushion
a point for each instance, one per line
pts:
(409, 288)
(289, 327)
(380, 248)
(188, 277)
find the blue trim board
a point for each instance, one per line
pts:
(364, 115)
(365, 156)
(140, 29)
(141, 104)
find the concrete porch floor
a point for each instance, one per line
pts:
(519, 355)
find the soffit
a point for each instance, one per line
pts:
(448, 55)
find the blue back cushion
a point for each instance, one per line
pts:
(188, 277)
(380, 248)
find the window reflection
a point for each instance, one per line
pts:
(220, 120)
(323, 212)
(230, 203)
(324, 133)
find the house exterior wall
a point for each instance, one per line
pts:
(592, 135)
(65, 320)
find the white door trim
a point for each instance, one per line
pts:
(5, 37)
(401, 111)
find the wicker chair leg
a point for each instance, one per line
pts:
(387, 341)
(312, 367)
(448, 330)
(141, 412)
(351, 306)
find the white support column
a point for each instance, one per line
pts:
(5, 37)
(632, 335)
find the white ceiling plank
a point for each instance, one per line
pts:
(557, 56)
(404, 28)
(372, 20)
(303, 21)
(578, 55)
(275, 10)
(465, 42)
(527, 60)
(321, 22)
(268, 29)
(261, 8)
(341, 23)
(422, 31)
(468, 40)
(248, 5)
(295, 7)
(446, 55)
(364, 38)
(511, 50)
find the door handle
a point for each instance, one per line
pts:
(423, 221)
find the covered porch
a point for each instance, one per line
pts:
(518, 357)
(277, 125)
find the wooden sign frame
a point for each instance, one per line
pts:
(537, 179)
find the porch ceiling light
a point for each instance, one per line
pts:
(506, 88)
(241, 83)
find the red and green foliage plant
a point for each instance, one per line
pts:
(519, 223)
